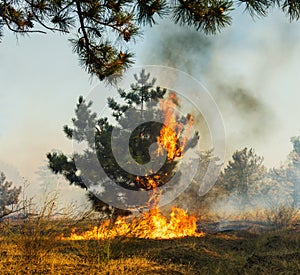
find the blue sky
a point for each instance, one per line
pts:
(41, 81)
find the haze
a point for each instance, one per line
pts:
(251, 69)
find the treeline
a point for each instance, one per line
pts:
(245, 182)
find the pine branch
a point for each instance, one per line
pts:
(42, 22)
(12, 16)
(258, 8)
(292, 9)
(206, 15)
(82, 27)
(146, 9)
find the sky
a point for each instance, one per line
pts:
(251, 69)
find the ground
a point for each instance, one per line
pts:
(233, 252)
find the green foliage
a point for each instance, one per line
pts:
(146, 10)
(141, 92)
(292, 9)
(247, 182)
(101, 27)
(286, 180)
(280, 187)
(208, 16)
(142, 100)
(9, 196)
(257, 7)
(293, 172)
(61, 164)
(244, 176)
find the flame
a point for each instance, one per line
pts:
(152, 225)
(173, 138)
(174, 134)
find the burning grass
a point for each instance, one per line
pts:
(151, 244)
(152, 225)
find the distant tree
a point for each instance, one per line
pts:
(244, 177)
(9, 197)
(208, 170)
(289, 175)
(47, 180)
(286, 179)
(142, 100)
(100, 27)
(280, 188)
(294, 171)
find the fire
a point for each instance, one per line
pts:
(168, 139)
(174, 135)
(173, 138)
(152, 225)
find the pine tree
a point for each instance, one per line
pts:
(99, 27)
(200, 194)
(142, 100)
(9, 196)
(281, 189)
(293, 172)
(286, 179)
(243, 178)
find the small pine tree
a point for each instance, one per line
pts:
(243, 177)
(9, 196)
(142, 100)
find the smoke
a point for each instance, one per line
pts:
(179, 47)
(250, 118)
(239, 69)
(11, 173)
(244, 113)
(230, 207)
(250, 70)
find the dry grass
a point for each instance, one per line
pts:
(222, 253)
(34, 246)
(72, 258)
(276, 216)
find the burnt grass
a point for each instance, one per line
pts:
(233, 252)
(224, 253)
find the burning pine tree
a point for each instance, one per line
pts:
(172, 136)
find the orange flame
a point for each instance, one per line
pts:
(173, 138)
(173, 135)
(152, 225)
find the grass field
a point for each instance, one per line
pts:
(234, 252)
